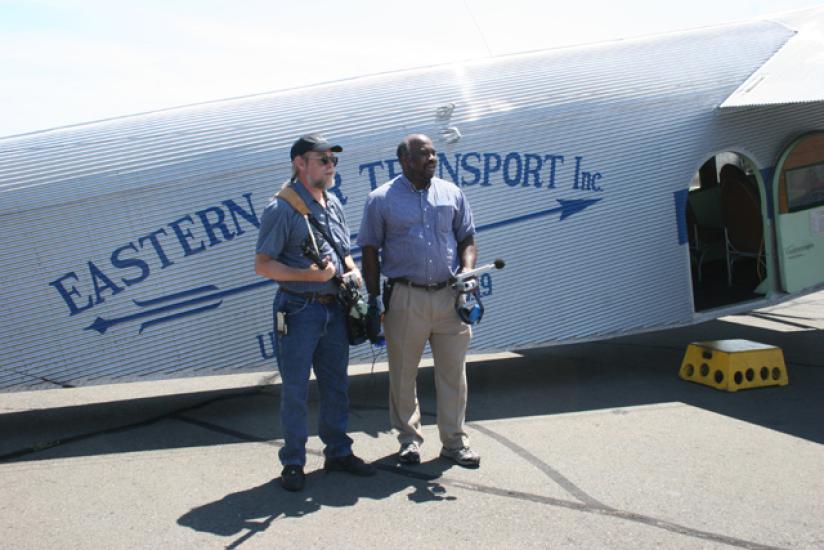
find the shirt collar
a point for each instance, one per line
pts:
(307, 197)
(409, 185)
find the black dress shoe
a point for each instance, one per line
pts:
(292, 478)
(349, 464)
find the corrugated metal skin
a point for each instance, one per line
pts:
(642, 113)
(795, 74)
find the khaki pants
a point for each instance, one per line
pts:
(416, 316)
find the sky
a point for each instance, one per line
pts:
(65, 62)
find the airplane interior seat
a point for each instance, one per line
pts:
(704, 227)
(741, 214)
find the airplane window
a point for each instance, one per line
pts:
(801, 185)
(805, 187)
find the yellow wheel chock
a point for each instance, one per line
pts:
(734, 365)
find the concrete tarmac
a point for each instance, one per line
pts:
(596, 445)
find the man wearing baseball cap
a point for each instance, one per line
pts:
(310, 323)
(313, 142)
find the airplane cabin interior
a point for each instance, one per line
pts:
(726, 233)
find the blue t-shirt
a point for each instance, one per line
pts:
(283, 231)
(416, 231)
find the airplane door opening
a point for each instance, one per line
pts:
(726, 232)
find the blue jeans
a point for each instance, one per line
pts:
(315, 338)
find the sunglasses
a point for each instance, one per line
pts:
(326, 159)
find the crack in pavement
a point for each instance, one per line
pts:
(587, 503)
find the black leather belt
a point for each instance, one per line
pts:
(407, 282)
(314, 296)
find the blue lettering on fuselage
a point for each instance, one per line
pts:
(134, 262)
(131, 263)
(513, 169)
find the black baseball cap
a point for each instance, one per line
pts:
(312, 142)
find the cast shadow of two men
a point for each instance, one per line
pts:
(253, 510)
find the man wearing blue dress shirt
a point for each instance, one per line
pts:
(417, 230)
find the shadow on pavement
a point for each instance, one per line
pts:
(246, 513)
(622, 372)
(643, 369)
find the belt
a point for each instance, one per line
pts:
(314, 296)
(407, 282)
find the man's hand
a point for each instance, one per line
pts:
(462, 270)
(373, 321)
(355, 274)
(325, 274)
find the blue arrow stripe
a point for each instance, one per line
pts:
(566, 208)
(523, 218)
(101, 325)
(177, 295)
(174, 316)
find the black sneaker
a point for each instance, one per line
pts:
(349, 464)
(292, 478)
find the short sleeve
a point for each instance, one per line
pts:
(463, 223)
(371, 231)
(274, 227)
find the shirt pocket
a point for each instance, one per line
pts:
(443, 218)
(402, 222)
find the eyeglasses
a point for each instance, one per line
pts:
(326, 159)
